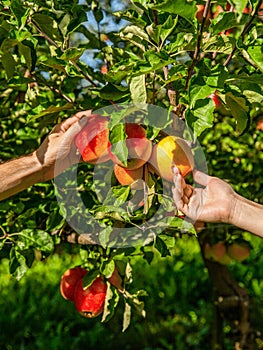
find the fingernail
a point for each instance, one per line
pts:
(175, 170)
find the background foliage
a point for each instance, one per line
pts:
(59, 57)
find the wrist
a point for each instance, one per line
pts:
(235, 209)
(37, 167)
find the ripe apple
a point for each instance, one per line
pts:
(260, 124)
(92, 141)
(217, 252)
(127, 176)
(89, 301)
(238, 251)
(139, 147)
(218, 10)
(200, 13)
(172, 150)
(216, 99)
(68, 282)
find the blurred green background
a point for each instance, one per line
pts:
(179, 310)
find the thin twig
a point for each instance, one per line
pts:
(52, 42)
(244, 31)
(53, 89)
(198, 43)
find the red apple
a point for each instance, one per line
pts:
(89, 301)
(69, 280)
(217, 252)
(200, 13)
(92, 141)
(238, 251)
(260, 124)
(216, 99)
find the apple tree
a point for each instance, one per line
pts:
(185, 69)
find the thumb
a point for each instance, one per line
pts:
(200, 177)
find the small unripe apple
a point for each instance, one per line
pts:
(89, 301)
(69, 280)
(238, 251)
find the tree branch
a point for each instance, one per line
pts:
(244, 31)
(52, 42)
(198, 43)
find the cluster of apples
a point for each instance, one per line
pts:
(95, 147)
(89, 300)
(224, 253)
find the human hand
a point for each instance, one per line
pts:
(215, 202)
(58, 151)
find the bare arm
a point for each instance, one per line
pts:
(19, 174)
(216, 202)
(248, 216)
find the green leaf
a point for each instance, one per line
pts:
(25, 51)
(89, 278)
(201, 116)
(8, 44)
(104, 236)
(48, 26)
(107, 268)
(225, 20)
(37, 239)
(54, 221)
(157, 117)
(79, 17)
(118, 143)
(126, 316)
(20, 12)
(198, 92)
(111, 301)
(112, 92)
(167, 28)
(239, 5)
(168, 240)
(121, 195)
(239, 110)
(183, 8)
(17, 264)
(161, 247)
(73, 53)
(9, 64)
(138, 89)
(136, 31)
(51, 110)
(256, 53)
(219, 43)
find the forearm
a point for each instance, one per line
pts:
(248, 215)
(19, 174)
